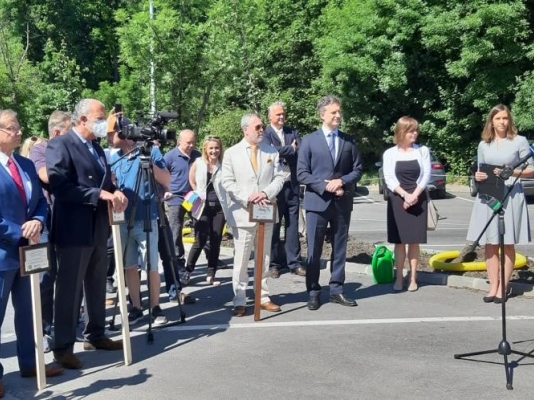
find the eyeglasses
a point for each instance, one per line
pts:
(12, 129)
(259, 127)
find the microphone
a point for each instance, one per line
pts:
(168, 115)
(507, 172)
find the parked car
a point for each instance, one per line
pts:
(528, 183)
(436, 185)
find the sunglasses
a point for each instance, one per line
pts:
(208, 138)
(259, 127)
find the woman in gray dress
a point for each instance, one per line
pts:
(502, 146)
(406, 173)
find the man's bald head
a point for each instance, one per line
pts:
(186, 141)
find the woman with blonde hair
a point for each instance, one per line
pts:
(406, 173)
(205, 179)
(501, 145)
(28, 144)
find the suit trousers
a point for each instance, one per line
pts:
(244, 239)
(19, 287)
(316, 223)
(288, 208)
(80, 266)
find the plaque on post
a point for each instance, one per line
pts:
(262, 214)
(34, 258)
(115, 218)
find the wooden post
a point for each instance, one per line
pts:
(38, 331)
(258, 269)
(121, 285)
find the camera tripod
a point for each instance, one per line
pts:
(145, 176)
(504, 348)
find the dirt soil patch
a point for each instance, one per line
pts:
(361, 252)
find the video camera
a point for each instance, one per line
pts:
(151, 128)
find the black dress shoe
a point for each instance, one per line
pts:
(341, 299)
(314, 303)
(488, 299)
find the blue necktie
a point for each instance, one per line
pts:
(94, 153)
(331, 146)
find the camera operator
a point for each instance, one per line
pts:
(134, 242)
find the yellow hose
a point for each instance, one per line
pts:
(191, 239)
(437, 261)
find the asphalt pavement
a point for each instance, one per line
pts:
(392, 346)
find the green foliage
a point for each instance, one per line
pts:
(446, 63)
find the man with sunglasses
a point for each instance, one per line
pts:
(286, 141)
(329, 165)
(251, 173)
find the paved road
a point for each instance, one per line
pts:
(393, 346)
(369, 220)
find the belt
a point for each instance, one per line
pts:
(213, 203)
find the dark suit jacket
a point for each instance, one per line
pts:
(287, 154)
(76, 179)
(14, 213)
(315, 165)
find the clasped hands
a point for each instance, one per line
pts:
(335, 186)
(259, 198)
(409, 200)
(117, 198)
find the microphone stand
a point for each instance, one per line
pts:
(504, 347)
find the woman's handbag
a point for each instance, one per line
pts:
(432, 215)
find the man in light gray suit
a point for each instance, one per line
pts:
(251, 173)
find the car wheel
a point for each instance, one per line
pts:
(441, 193)
(472, 186)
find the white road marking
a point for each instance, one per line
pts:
(290, 324)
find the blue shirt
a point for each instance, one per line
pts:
(125, 171)
(179, 164)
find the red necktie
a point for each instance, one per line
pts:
(15, 174)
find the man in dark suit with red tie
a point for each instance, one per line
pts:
(80, 180)
(22, 218)
(286, 141)
(329, 165)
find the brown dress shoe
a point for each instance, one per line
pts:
(2, 391)
(103, 344)
(68, 360)
(240, 311)
(300, 271)
(270, 306)
(50, 371)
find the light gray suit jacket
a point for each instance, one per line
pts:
(239, 179)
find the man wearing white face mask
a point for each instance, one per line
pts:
(80, 180)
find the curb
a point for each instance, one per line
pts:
(465, 282)
(433, 278)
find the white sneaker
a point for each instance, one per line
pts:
(46, 343)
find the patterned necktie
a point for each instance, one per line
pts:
(331, 146)
(281, 136)
(15, 174)
(254, 157)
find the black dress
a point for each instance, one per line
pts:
(407, 226)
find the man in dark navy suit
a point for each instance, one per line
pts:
(287, 142)
(329, 165)
(22, 218)
(80, 180)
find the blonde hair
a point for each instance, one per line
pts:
(488, 134)
(28, 144)
(402, 127)
(207, 140)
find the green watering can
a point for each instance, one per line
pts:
(382, 265)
